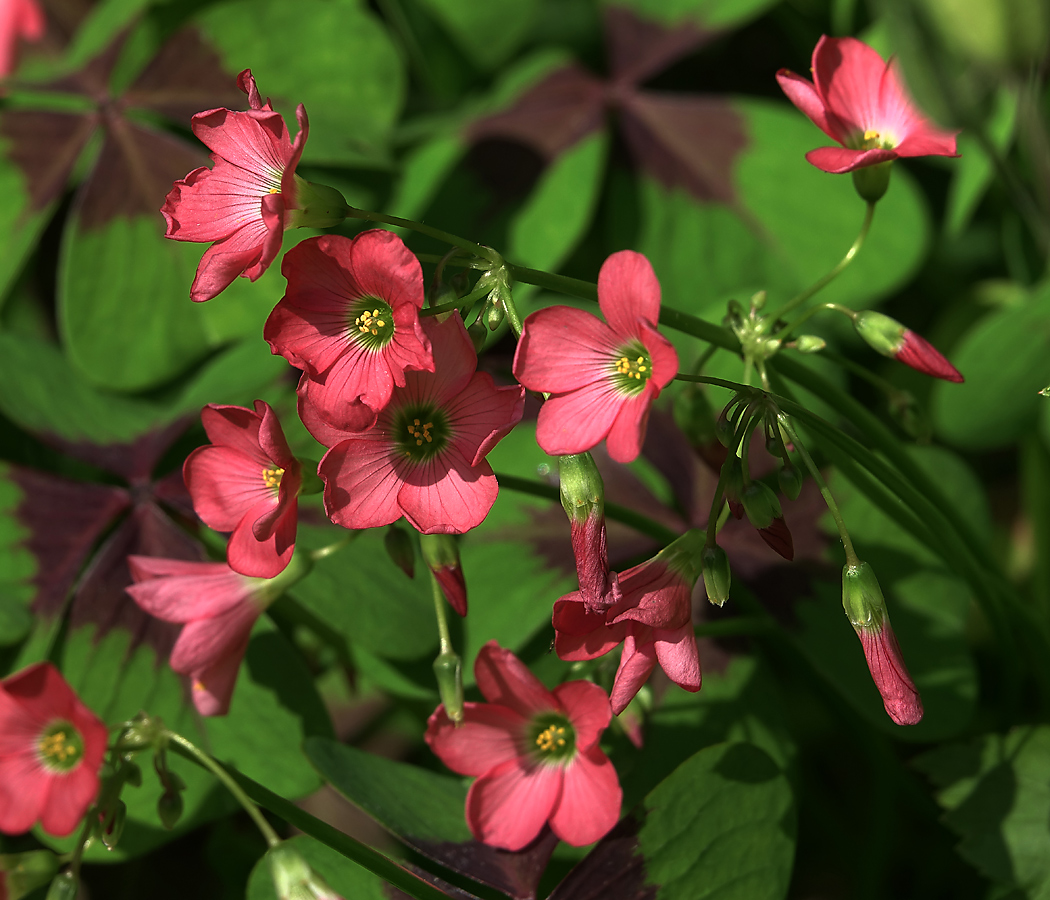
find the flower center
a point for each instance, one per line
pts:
(371, 323)
(61, 746)
(272, 477)
(551, 738)
(876, 140)
(421, 432)
(632, 368)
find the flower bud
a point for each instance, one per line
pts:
(293, 879)
(142, 731)
(448, 670)
(169, 808)
(64, 887)
(113, 825)
(760, 505)
(717, 574)
(778, 538)
(758, 300)
(319, 206)
(866, 609)
(478, 334)
(809, 343)
(789, 479)
(871, 182)
(21, 873)
(400, 549)
(441, 553)
(888, 337)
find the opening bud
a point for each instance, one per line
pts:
(789, 480)
(760, 505)
(319, 206)
(717, 575)
(888, 337)
(112, 825)
(293, 879)
(441, 553)
(581, 487)
(871, 182)
(448, 670)
(399, 548)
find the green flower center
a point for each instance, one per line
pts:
(272, 477)
(873, 140)
(632, 368)
(421, 432)
(371, 322)
(551, 738)
(61, 746)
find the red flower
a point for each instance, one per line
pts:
(18, 19)
(51, 750)
(247, 482)
(653, 621)
(218, 608)
(602, 378)
(424, 459)
(890, 338)
(535, 754)
(242, 202)
(350, 319)
(859, 100)
(890, 674)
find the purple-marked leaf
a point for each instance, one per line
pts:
(100, 598)
(449, 890)
(613, 870)
(93, 79)
(64, 518)
(186, 77)
(639, 48)
(135, 168)
(516, 874)
(685, 141)
(553, 115)
(668, 449)
(45, 146)
(133, 461)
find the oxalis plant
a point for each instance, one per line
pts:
(492, 434)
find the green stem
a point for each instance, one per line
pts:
(796, 301)
(437, 233)
(513, 318)
(573, 287)
(440, 610)
(809, 314)
(372, 860)
(613, 511)
(467, 300)
(825, 491)
(190, 751)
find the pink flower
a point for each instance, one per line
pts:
(350, 319)
(890, 338)
(51, 750)
(247, 482)
(890, 674)
(859, 100)
(602, 378)
(243, 202)
(218, 608)
(18, 19)
(535, 754)
(653, 621)
(424, 459)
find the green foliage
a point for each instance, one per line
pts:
(17, 566)
(488, 32)
(347, 879)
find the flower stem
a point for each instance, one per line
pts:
(809, 314)
(191, 751)
(437, 233)
(796, 301)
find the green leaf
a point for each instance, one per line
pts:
(346, 878)
(407, 800)
(20, 227)
(123, 303)
(360, 593)
(710, 13)
(1005, 358)
(489, 32)
(558, 212)
(333, 56)
(998, 800)
(17, 566)
(721, 827)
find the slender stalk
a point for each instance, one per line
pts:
(467, 300)
(796, 301)
(437, 233)
(441, 612)
(809, 314)
(190, 751)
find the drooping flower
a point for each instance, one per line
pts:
(583, 499)
(890, 338)
(247, 482)
(217, 608)
(535, 754)
(866, 610)
(424, 459)
(243, 202)
(653, 621)
(18, 19)
(350, 319)
(859, 100)
(51, 750)
(602, 376)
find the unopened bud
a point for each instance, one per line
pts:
(760, 505)
(478, 333)
(448, 669)
(113, 825)
(809, 343)
(758, 300)
(400, 549)
(169, 808)
(871, 182)
(717, 574)
(293, 879)
(880, 332)
(441, 553)
(494, 314)
(778, 538)
(580, 486)
(790, 481)
(131, 774)
(319, 206)
(63, 887)
(143, 731)
(583, 499)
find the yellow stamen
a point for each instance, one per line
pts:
(421, 432)
(871, 135)
(272, 477)
(551, 738)
(636, 369)
(56, 747)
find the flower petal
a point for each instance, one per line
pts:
(636, 663)
(587, 707)
(361, 483)
(628, 291)
(590, 799)
(505, 680)
(837, 160)
(488, 736)
(179, 591)
(562, 349)
(676, 652)
(580, 420)
(508, 806)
